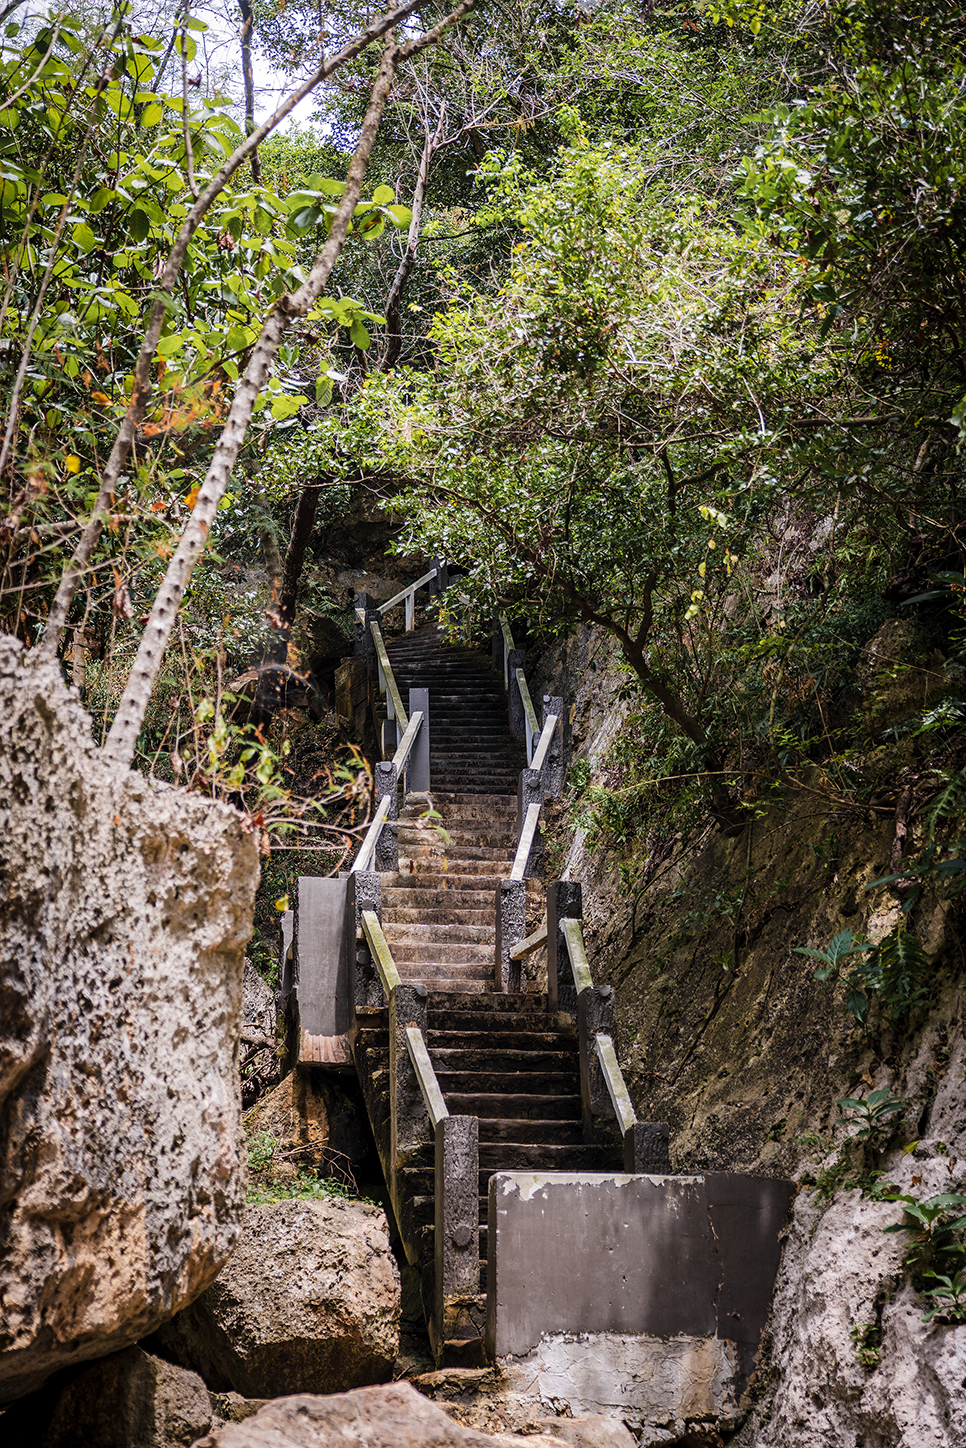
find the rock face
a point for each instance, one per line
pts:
(125, 912)
(312, 1123)
(842, 1276)
(395, 1416)
(310, 1300)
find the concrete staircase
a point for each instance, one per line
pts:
(505, 1059)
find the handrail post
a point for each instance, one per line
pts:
(553, 769)
(564, 902)
(410, 1126)
(417, 769)
(595, 1016)
(387, 846)
(511, 909)
(647, 1148)
(457, 1228)
(364, 610)
(515, 659)
(364, 892)
(530, 791)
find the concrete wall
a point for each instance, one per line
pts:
(660, 1256)
(320, 963)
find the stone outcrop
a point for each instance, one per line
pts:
(394, 1416)
(309, 1301)
(127, 1400)
(126, 908)
(849, 1358)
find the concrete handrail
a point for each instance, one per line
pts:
(615, 1083)
(533, 942)
(407, 741)
(385, 965)
(527, 837)
(543, 746)
(407, 596)
(529, 713)
(574, 936)
(364, 858)
(425, 1075)
(387, 679)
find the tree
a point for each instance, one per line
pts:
(341, 208)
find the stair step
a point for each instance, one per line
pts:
(509, 1083)
(443, 951)
(512, 1060)
(517, 1130)
(413, 930)
(515, 1105)
(500, 1040)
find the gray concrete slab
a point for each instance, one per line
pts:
(320, 960)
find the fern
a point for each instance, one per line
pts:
(949, 802)
(898, 970)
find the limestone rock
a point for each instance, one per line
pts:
(310, 1299)
(840, 1273)
(394, 1416)
(127, 906)
(319, 639)
(127, 1400)
(258, 1005)
(598, 1431)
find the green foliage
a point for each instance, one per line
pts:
(894, 971)
(948, 1297)
(867, 1338)
(870, 1113)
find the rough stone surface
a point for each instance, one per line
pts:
(126, 909)
(258, 1004)
(841, 1271)
(598, 1431)
(310, 1300)
(662, 1387)
(127, 1400)
(314, 1123)
(394, 1416)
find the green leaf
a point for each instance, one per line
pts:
(152, 115)
(383, 195)
(84, 237)
(359, 335)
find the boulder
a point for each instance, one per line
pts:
(127, 906)
(309, 1300)
(319, 639)
(394, 1416)
(130, 1400)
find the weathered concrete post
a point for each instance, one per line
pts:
(387, 847)
(530, 791)
(564, 902)
(595, 1015)
(554, 768)
(417, 769)
(511, 907)
(363, 642)
(364, 893)
(457, 1228)
(647, 1148)
(410, 1121)
(497, 645)
(516, 659)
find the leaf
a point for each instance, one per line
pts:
(84, 237)
(281, 904)
(152, 114)
(359, 335)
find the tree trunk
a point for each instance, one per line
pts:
(245, 6)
